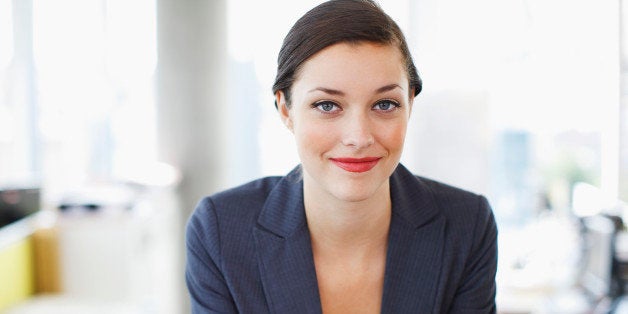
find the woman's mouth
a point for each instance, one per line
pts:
(356, 164)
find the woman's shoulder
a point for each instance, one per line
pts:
(245, 197)
(457, 202)
(422, 187)
(459, 207)
(469, 215)
(256, 189)
(424, 199)
(227, 215)
(445, 190)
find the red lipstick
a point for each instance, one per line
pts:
(356, 164)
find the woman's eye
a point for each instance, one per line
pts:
(386, 105)
(327, 106)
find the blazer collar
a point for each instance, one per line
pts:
(284, 250)
(412, 199)
(415, 247)
(413, 259)
(283, 212)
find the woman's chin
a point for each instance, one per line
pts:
(353, 193)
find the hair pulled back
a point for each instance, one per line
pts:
(337, 21)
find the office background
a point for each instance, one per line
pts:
(524, 101)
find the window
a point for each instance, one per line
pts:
(78, 91)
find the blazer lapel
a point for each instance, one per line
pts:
(413, 261)
(284, 251)
(415, 247)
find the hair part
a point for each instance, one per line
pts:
(339, 21)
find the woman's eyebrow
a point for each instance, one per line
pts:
(328, 91)
(341, 93)
(387, 88)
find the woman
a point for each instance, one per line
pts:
(350, 230)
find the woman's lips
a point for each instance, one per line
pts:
(356, 164)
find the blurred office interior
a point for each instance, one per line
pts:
(116, 117)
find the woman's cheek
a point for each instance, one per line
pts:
(393, 136)
(311, 138)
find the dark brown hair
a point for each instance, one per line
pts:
(336, 21)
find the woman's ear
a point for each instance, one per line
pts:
(284, 111)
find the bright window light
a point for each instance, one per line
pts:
(6, 33)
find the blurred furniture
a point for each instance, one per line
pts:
(599, 280)
(98, 259)
(17, 203)
(28, 261)
(595, 286)
(599, 287)
(16, 264)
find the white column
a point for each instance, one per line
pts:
(192, 99)
(23, 81)
(623, 112)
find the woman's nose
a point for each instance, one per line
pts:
(357, 132)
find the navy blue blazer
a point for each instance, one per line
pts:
(249, 250)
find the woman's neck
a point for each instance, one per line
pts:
(337, 225)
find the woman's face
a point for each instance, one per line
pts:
(349, 112)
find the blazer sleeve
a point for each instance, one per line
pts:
(206, 284)
(476, 293)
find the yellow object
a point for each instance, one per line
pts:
(17, 280)
(46, 261)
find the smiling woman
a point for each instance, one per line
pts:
(350, 230)
(352, 131)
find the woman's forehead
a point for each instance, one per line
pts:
(344, 63)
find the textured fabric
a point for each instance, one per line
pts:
(249, 250)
